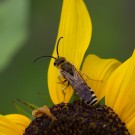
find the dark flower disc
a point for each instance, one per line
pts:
(78, 118)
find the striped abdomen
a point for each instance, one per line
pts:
(85, 93)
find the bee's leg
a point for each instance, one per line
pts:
(88, 78)
(64, 88)
(64, 82)
(84, 76)
(61, 80)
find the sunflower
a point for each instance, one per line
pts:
(117, 79)
(108, 78)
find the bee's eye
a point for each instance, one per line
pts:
(59, 61)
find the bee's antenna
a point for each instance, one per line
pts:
(58, 46)
(42, 57)
(51, 56)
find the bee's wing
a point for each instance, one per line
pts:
(73, 79)
(80, 87)
(78, 84)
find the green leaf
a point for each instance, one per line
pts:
(28, 105)
(21, 110)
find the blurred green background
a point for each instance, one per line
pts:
(28, 29)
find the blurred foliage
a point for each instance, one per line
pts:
(13, 28)
(28, 29)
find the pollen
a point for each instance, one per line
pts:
(76, 119)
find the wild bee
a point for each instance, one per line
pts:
(73, 77)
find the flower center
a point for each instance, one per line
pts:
(76, 119)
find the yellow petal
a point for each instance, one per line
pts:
(120, 91)
(7, 127)
(97, 71)
(21, 121)
(75, 27)
(130, 125)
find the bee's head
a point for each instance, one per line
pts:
(59, 61)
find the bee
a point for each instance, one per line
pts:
(73, 77)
